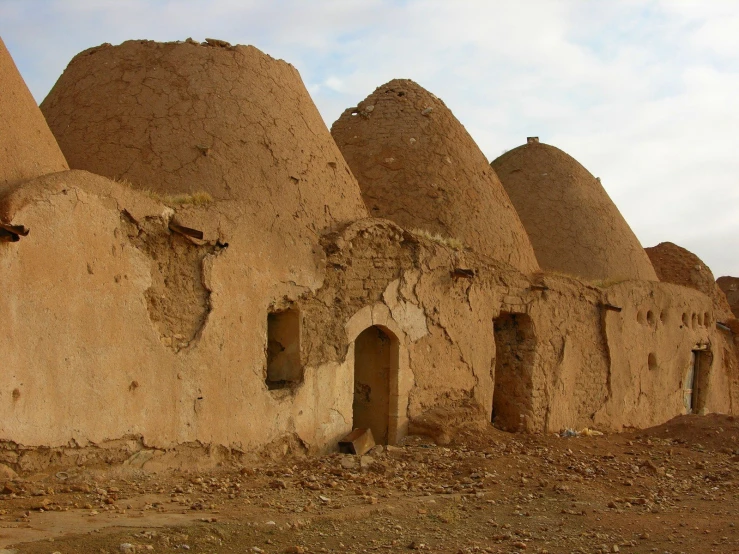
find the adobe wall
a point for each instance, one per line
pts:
(139, 331)
(27, 147)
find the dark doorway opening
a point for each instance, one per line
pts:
(283, 349)
(515, 346)
(696, 380)
(376, 352)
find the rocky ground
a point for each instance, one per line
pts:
(669, 489)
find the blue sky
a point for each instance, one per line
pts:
(642, 92)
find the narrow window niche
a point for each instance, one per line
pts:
(283, 349)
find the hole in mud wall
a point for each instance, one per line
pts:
(177, 301)
(650, 318)
(283, 349)
(652, 361)
(640, 317)
(664, 316)
(707, 319)
(694, 321)
(376, 354)
(515, 346)
(695, 385)
(685, 319)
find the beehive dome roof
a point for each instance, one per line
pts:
(677, 265)
(417, 166)
(27, 147)
(573, 224)
(185, 117)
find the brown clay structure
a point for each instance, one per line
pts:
(573, 225)
(238, 296)
(730, 286)
(183, 118)
(418, 166)
(675, 264)
(27, 147)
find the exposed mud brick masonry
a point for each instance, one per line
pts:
(574, 226)
(230, 289)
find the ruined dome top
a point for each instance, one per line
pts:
(674, 264)
(27, 147)
(417, 166)
(183, 117)
(730, 287)
(573, 224)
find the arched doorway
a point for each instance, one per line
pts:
(376, 352)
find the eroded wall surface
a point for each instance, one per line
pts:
(134, 329)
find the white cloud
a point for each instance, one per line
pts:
(642, 93)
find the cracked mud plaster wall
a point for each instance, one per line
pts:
(669, 322)
(27, 147)
(79, 332)
(183, 118)
(593, 364)
(85, 359)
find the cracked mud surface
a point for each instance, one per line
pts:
(668, 489)
(183, 118)
(574, 226)
(417, 166)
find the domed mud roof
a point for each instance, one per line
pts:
(730, 287)
(27, 147)
(573, 224)
(417, 166)
(674, 264)
(185, 117)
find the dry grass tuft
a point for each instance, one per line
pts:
(449, 242)
(200, 198)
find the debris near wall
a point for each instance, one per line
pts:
(674, 264)
(730, 286)
(451, 422)
(574, 227)
(27, 147)
(417, 166)
(183, 118)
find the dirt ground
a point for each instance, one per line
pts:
(669, 489)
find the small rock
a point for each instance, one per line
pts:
(6, 473)
(127, 548)
(348, 462)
